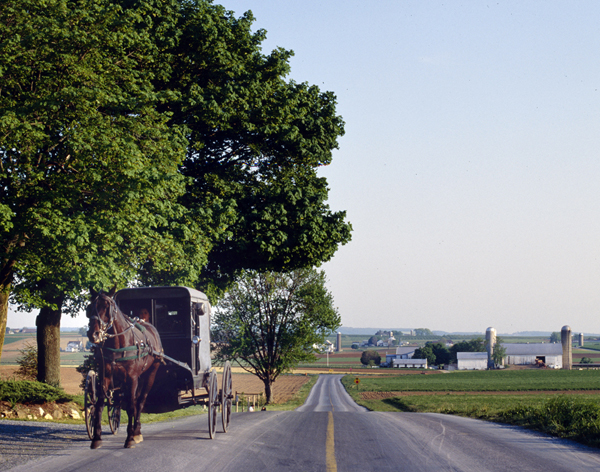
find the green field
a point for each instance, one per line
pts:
(12, 338)
(484, 381)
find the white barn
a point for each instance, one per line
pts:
(472, 360)
(525, 354)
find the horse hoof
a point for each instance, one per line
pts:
(129, 444)
(96, 444)
(138, 438)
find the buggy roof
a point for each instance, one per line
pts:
(140, 293)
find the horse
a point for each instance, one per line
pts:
(128, 355)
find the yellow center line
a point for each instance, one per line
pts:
(330, 446)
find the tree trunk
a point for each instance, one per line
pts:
(48, 341)
(4, 293)
(268, 389)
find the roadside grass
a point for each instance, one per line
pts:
(570, 416)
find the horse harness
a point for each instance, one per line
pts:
(139, 350)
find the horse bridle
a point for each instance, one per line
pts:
(104, 327)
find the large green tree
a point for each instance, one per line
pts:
(256, 141)
(152, 142)
(89, 167)
(268, 322)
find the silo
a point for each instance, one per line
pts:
(338, 346)
(580, 339)
(567, 348)
(490, 341)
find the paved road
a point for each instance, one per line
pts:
(328, 433)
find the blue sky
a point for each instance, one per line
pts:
(469, 168)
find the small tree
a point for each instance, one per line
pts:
(269, 322)
(373, 340)
(555, 337)
(370, 357)
(441, 352)
(425, 352)
(28, 362)
(499, 354)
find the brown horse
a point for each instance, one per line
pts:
(127, 355)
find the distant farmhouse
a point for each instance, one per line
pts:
(74, 346)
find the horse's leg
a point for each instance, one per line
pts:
(145, 384)
(131, 410)
(97, 440)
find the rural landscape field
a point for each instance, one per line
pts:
(481, 394)
(518, 395)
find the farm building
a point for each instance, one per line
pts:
(472, 360)
(74, 346)
(526, 354)
(405, 352)
(403, 358)
(410, 363)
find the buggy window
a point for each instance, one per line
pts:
(172, 315)
(137, 308)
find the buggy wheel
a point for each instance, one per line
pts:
(114, 414)
(213, 403)
(89, 402)
(226, 396)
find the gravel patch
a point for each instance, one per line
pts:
(24, 441)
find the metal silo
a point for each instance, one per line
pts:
(567, 347)
(490, 341)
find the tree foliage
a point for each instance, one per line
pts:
(423, 332)
(435, 353)
(425, 352)
(152, 143)
(370, 358)
(254, 144)
(89, 165)
(555, 337)
(268, 322)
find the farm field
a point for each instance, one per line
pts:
(14, 343)
(578, 353)
(483, 381)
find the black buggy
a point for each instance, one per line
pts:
(182, 317)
